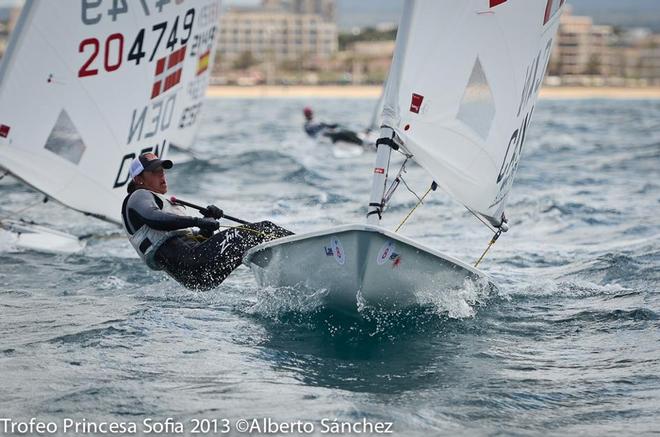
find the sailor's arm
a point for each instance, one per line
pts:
(143, 210)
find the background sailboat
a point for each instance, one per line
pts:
(85, 87)
(370, 134)
(461, 92)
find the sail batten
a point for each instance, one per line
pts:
(466, 76)
(78, 96)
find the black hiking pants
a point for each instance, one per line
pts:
(344, 135)
(204, 265)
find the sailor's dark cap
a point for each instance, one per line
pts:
(148, 162)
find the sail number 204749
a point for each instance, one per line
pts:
(114, 46)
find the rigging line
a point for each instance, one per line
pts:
(395, 184)
(113, 236)
(410, 189)
(44, 200)
(413, 210)
(117, 236)
(402, 150)
(490, 244)
(4, 174)
(481, 220)
(254, 231)
(188, 152)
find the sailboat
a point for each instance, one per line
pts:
(85, 87)
(462, 88)
(368, 136)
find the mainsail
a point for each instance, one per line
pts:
(462, 89)
(86, 86)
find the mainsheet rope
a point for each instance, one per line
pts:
(44, 200)
(421, 200)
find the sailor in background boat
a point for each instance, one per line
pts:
(162, 233)
(334, 132)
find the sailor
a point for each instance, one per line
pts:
(162, 232)
(313, 128)
(332, 131)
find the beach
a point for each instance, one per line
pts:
(349, 91)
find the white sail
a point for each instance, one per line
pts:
(85, 86)
(463, 85)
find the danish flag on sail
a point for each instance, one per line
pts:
(172, 74)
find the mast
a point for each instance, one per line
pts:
(388, 139)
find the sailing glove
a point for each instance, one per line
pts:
(213, 211)
(207, 224)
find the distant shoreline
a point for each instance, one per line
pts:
(369, 92)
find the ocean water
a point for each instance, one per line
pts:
(568, 344)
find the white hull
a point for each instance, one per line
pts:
(358, 265)
(35, 237)
(369, 137)
(342, 149)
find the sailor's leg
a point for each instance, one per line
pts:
(177, 258)
(269, 231)
(221, 254)
(352, 137)
(345, 136)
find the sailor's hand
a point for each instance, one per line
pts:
(213, 211)
(207, 224)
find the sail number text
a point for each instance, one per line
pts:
(113, 48)
(533, 79)
(92, 10)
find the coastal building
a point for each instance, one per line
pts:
(590, 54)
(324, 8)
(582, 48)
(370, 60)
(648, 59)
(278, 33)
(638, 63)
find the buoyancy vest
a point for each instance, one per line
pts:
(146, 241)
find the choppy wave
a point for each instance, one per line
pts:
(566, 344)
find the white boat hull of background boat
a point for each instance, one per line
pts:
(35, 237)
(359, 265)
(342, 149)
